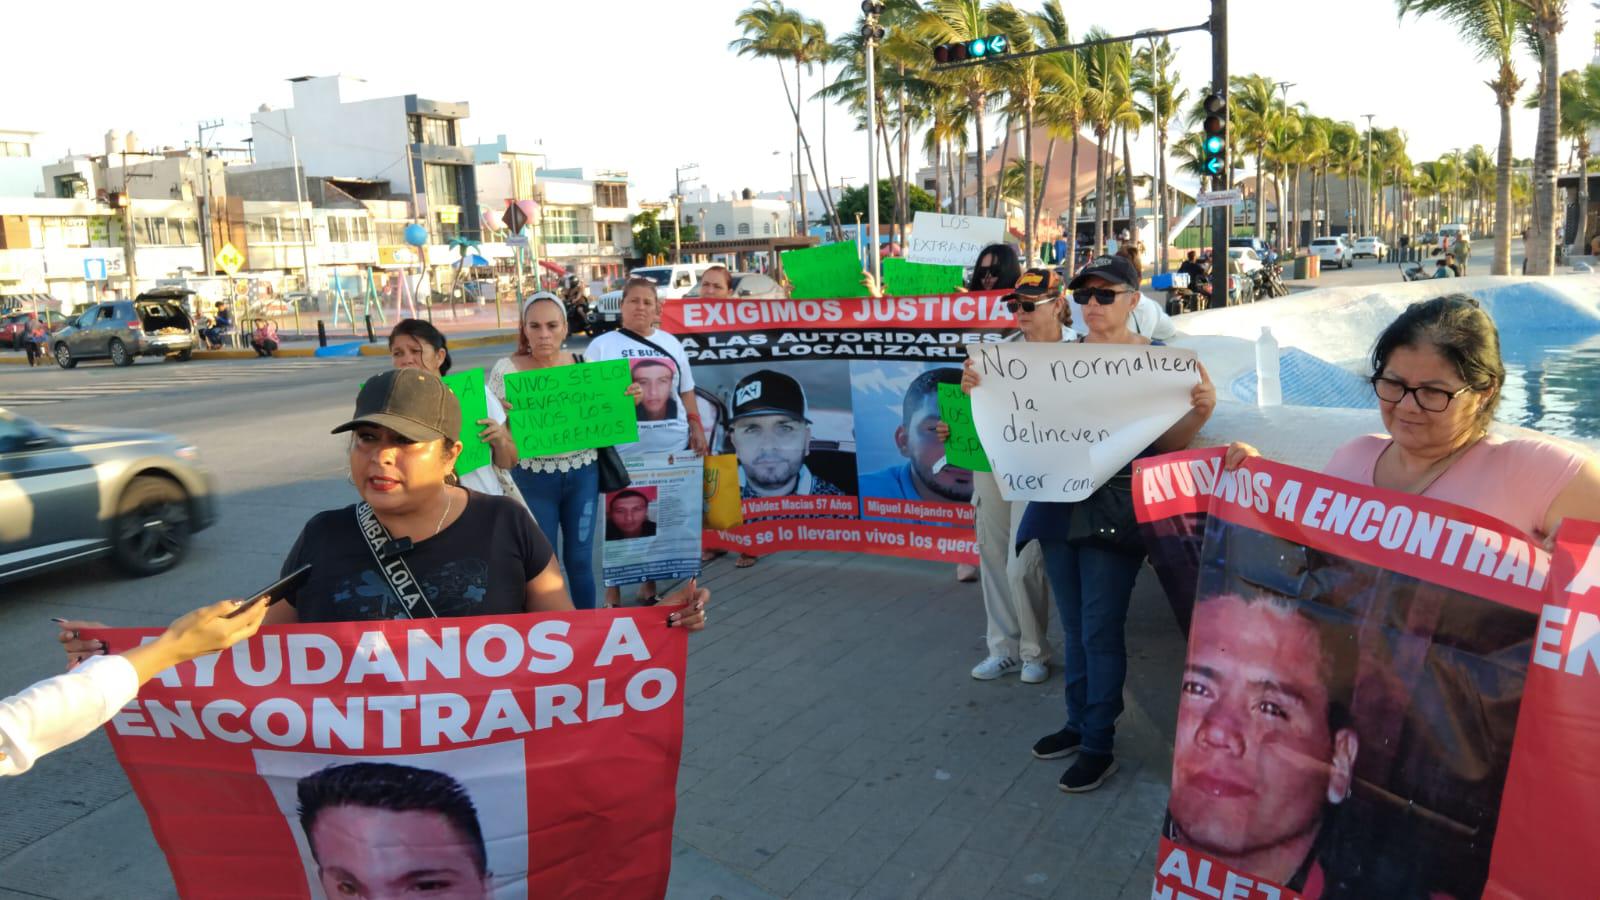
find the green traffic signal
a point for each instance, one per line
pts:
(978, 47)
(1214, 144)
(1213, 165)
(997, 44)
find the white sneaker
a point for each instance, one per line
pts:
(993, 667)
(1035, 671)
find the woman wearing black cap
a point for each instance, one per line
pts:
(1092, 582)
(418, 544)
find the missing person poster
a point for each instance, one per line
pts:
(652, 526)
(831, 407)
(1384, 695)
(530, 756)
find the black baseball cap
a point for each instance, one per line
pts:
(769, 393)
(1115, 269)
(1036, 283)
(410, 402)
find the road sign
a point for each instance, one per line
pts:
(94, 269)
(229, 259)
(449, 216)
(515, 218)
(1208, 199)
(516, 240)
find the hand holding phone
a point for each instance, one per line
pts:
(276, 591)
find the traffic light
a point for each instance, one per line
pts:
(1214, 136)
(977, 48)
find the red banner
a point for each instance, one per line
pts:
(1428, 681)
(524, 756)
(696, 315)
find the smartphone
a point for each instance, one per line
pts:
(276, 591)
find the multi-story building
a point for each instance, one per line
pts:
(76, 249)
(585, 218)
(411, 143)
(19, 167)
(747, 216)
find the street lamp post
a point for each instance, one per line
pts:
(299, 212)
(1366, 217)
(677, 211)
(1293, 218)
(872, 32)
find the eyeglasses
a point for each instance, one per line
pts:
(1027, 305)
(1431, 399)
(985, 271)
(1102, 296)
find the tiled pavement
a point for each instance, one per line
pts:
(836, 746)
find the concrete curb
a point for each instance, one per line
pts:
(485, 340)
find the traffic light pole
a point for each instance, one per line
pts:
(871, 35)
(1221, 216)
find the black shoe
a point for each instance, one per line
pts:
(1088, 772)
(1060, 745)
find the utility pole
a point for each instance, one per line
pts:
(1293, 219)
(1158, 196)
(207, 242)
(305, 225)
(1222, 216)
(677, 210)
(1366, 194)
(872, 32)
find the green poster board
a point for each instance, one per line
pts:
(962, 450)
(565, 408)
(468, 388)
(902, 278)
(822, 273)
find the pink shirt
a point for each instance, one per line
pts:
(1514, 480)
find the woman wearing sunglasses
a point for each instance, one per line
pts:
(1437, 373)
(1092, 583)
(997, 269)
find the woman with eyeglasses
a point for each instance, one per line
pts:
(1092, 582)
(997, 269)
(1437, 373)
(1016, 600)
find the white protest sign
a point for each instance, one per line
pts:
(1058, 420)
(944, 240)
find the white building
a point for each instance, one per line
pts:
(74, 250)
(19, 167)
(748, 216)
(585, 220)
(412, 143)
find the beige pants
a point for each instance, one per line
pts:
(1016, 596)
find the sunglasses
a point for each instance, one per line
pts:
(1027, 305)
(982, 271)
(1102, 296)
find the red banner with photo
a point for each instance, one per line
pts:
(522, 756)
(1384, 695)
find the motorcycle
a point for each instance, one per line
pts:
(1269, 281)
(1412, 272)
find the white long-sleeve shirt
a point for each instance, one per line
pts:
(57, 711)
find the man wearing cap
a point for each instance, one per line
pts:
(771, 432)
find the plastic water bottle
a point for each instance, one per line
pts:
(1269, 390)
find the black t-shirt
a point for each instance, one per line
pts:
(479, 565)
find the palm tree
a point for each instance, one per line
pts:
(1283, 139)
(1153, 78)
(773, 31)
(1250, 112)
(1580, 111)
(1545, 20)
(1024, 83)
(1480, 174)
(948, 21)
(1491, 27)
(1060, 103)
(1346, 151)
(1191, 161)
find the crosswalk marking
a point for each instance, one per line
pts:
(141, 378)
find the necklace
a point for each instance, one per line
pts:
(450, 500)
(1436, 471)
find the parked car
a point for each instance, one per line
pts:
(672, 282)
(81, 493)
(121, 330)
(1332, 251)
(1262, 249)
(1370, 245)
(1249, 260)
(11, 325)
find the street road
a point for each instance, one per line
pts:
(71, 827)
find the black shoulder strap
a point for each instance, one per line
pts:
(647, 342)
(394, 569)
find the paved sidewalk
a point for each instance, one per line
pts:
(836, 746)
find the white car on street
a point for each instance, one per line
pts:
(1248, 259)
(1332, 251)
(1372, 246)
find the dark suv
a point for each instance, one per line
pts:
(121, 330)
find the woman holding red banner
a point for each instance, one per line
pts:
(1437, 373)
(1090, 574)
(418, 544)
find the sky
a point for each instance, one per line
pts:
(647, 86)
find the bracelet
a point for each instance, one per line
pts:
(694, 417)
